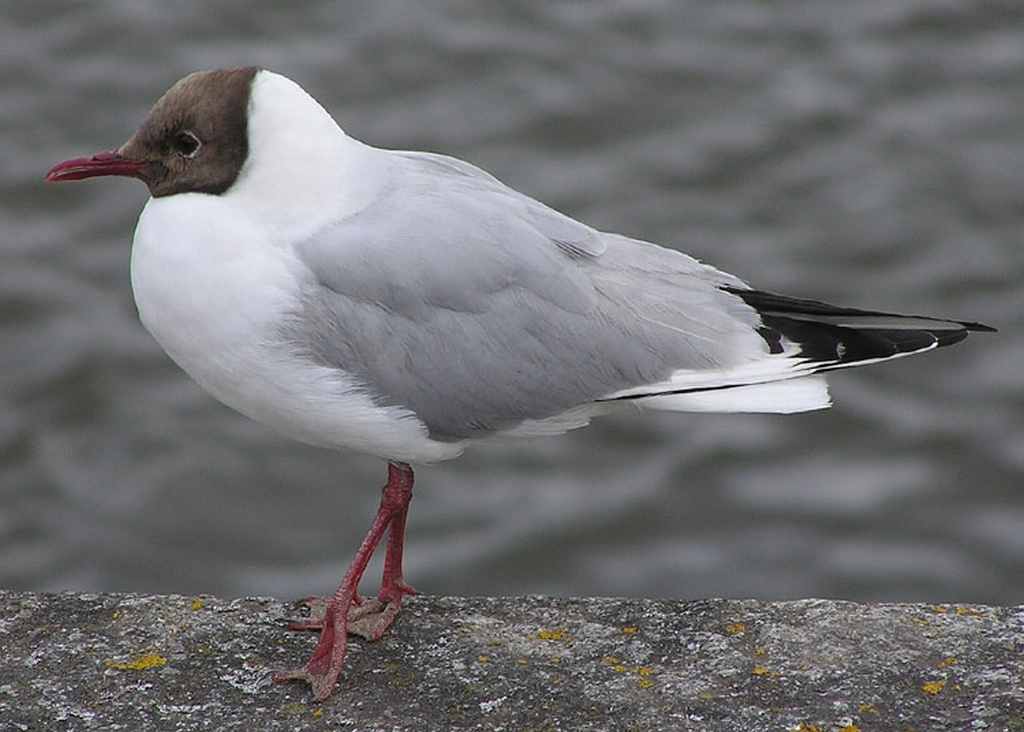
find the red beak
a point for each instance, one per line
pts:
(104, 163)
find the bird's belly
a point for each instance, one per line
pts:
(214, 295)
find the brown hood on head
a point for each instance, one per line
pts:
(195, 138)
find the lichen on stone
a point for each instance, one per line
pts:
(141, 663)
(557, 634)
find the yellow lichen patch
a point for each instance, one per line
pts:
(761, 671)
(946, 662)
(851, 727)
(483, 659)
(804, 727)
(318, 712)
(969, 612)
(760, 651)
(940, 609)
(643, 672)
(933, 687)
(630, 630)
(736, 628)
(294, 708)
(614, 663)
(867, 709)
(116, 615)
(198, 604)
(557, 634)
(706, 696)
(146, 661)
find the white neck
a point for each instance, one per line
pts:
(302, 171)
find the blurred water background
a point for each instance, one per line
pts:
(868, 153)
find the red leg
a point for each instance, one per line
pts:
(393, 586)
(345, 612)
(372, 619)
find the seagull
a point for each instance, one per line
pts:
(409, 305)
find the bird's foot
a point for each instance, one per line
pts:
(373, 618)
(368, 618)
(324, 666)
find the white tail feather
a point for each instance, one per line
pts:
(802, 394)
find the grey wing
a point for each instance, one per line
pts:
(478, 308)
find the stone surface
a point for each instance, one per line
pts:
(80, 662)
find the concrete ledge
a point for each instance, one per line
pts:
(133, 662)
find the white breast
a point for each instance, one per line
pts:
(213, 291)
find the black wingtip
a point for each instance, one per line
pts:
(768, 301)
(978, 327)
(839, 337)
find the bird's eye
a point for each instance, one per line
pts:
(186, 144)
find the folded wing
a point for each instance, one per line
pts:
(483, 311)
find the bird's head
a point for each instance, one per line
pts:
(194, 139)
(250, 135)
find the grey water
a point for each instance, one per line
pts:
(869, 153)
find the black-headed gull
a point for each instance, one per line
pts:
(408, 304)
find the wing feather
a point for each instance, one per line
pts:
(462, 301)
